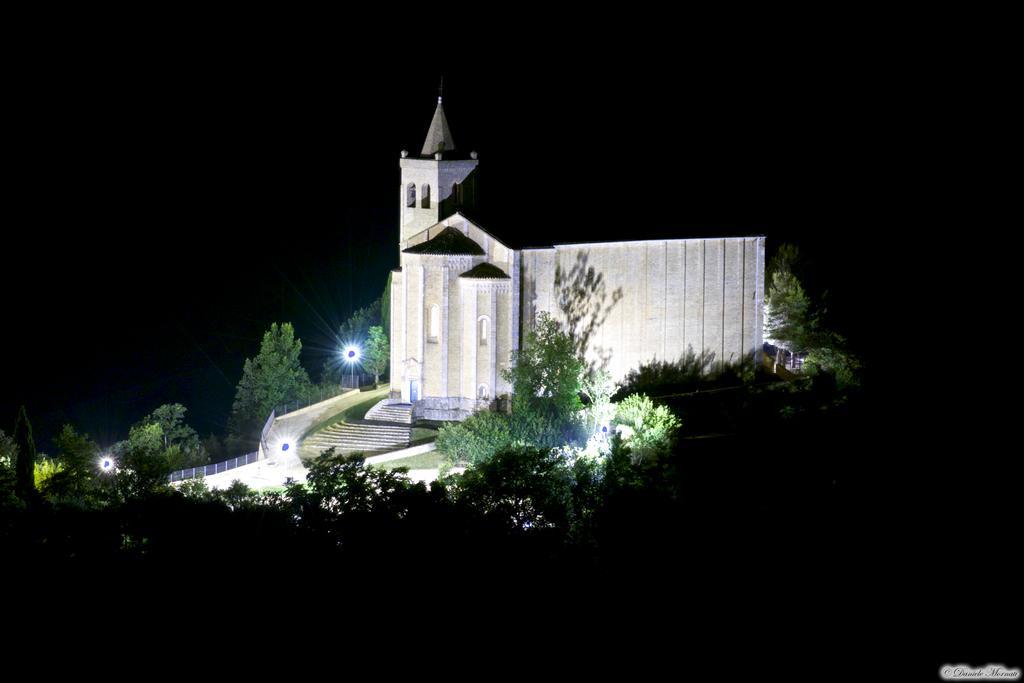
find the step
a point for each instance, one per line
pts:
(389, 438)
(358, 435)
(366, 435)
(380, 442)
(365, 428)
(390, 412)
(356, 440)
(364, 447)
(386, 428)
(380, 426)
(360, 447)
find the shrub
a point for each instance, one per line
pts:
(648, 430)
(195, 489)
(476, 439)
(523, 489)
(45, 470)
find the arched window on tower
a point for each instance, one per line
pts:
(410, 195)
(482, 324)
(482, 393)
(435, 324)
(456, 194)
(425, 197)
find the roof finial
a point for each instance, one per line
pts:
(439, 89)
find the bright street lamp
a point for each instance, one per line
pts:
(351, 356)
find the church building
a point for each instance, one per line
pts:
(462, 300)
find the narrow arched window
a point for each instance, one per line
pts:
(482, 392)
(435, 323)
(483, 323)
(410, 195)
(457, 194)
(425, 196)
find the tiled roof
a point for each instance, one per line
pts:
(486, 271)
(449, 241)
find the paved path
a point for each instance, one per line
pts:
(277, 464)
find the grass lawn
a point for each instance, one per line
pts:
(423, 461)
(356, 411)
(422, 435)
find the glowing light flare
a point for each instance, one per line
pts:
(106, 464)
(351, 354)
(282, 443)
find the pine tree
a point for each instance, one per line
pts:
(24, 468)
(385, 308)
(273, 377)
(378, 352)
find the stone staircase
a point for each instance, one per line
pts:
(387, 427)
(359, 436)
(391, 412)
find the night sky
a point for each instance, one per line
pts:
(180, 201)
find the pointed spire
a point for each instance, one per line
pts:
(439, 136)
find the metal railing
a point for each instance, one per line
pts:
(266, 429)
(784, 358)
(318, 394)
(215, 468)
(315, 395)
(225, 465)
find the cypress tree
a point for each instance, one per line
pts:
(24, 468)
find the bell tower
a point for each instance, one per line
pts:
(437, 183)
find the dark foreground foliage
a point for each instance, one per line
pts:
(794, 519)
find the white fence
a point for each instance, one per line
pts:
(206, 470)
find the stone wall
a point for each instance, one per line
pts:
(439, 176)
(652, 299)
(451, 366)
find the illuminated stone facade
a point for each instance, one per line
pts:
(462, 300)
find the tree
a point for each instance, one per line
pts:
(352, 332)
(142, 464)
(385, 308)
(598, 388)
(525, 490)
(8, 451)
(794, 321)
(171, 418)
(546, 373)
(181, 443)
(378, 352)
(8, 498)
(788, 318)
(45, 471)
(356, 330)
(77, 457)
(357, 327)
(273, 377)
(235, 496)
(24, 466)
(546, 377)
